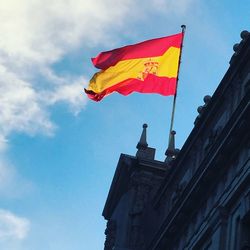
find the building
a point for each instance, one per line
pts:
(199, 198)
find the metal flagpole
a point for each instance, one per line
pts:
(183, 27)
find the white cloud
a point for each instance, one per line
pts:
(12, 227)
(34, 35)
(68, 93)
(49, 29)
(20, 109)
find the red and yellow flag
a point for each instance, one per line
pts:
(147, 67)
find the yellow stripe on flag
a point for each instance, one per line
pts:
(162, 66)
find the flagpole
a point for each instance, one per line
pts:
(183, 27)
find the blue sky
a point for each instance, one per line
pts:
(58, 150)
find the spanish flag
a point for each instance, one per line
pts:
(147, 67)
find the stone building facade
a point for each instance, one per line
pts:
(199, 198)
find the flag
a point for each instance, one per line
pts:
(147, 67)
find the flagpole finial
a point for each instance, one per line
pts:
(183, 27)
(142, 144)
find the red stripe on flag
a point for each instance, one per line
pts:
(152, 84)
(151, 48)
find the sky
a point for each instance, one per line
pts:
(59, 150)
